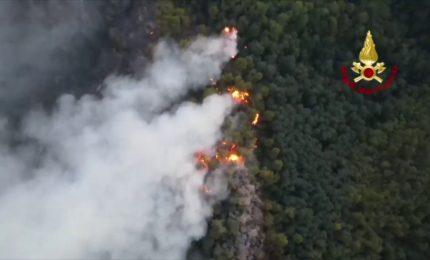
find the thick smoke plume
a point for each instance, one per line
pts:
(115, 177)
(41, 42)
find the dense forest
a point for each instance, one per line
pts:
(330, 173)
(339, 175)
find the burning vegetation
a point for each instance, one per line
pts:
(234, 157)
(256, 119)
(240, 96)
(227, 153)
(230, 32)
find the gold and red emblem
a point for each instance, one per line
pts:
(368, 56)
(368, 69)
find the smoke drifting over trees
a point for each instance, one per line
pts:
(92, 130)
(110, 176)
(42, 44)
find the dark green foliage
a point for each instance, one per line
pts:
(171, 20)
(344, 176)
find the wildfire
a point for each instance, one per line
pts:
(202, 159)
(229, 31)
(232, 156)
(227, 153)
(235, 158)
(240, 97)
(256, 119)
(231, 34)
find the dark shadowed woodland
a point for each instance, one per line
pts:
(337, 175)
(340, 175)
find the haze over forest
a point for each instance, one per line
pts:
(171, 129)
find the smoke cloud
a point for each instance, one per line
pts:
(115, 177)
(40, 43)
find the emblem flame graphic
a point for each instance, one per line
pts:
(368, 56)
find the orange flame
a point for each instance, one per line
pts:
(235, 158)
(229, 31)
(231, 34)
(203, 160)
(240, 97)
(256, 119)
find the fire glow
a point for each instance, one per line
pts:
(231, 34)
(232, 157)
(235, 158)
(256, 119)
(227, 153)
(230, 31)
(240, 97)
(202, 160)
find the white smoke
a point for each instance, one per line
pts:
(115, 177)
(40, 41)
